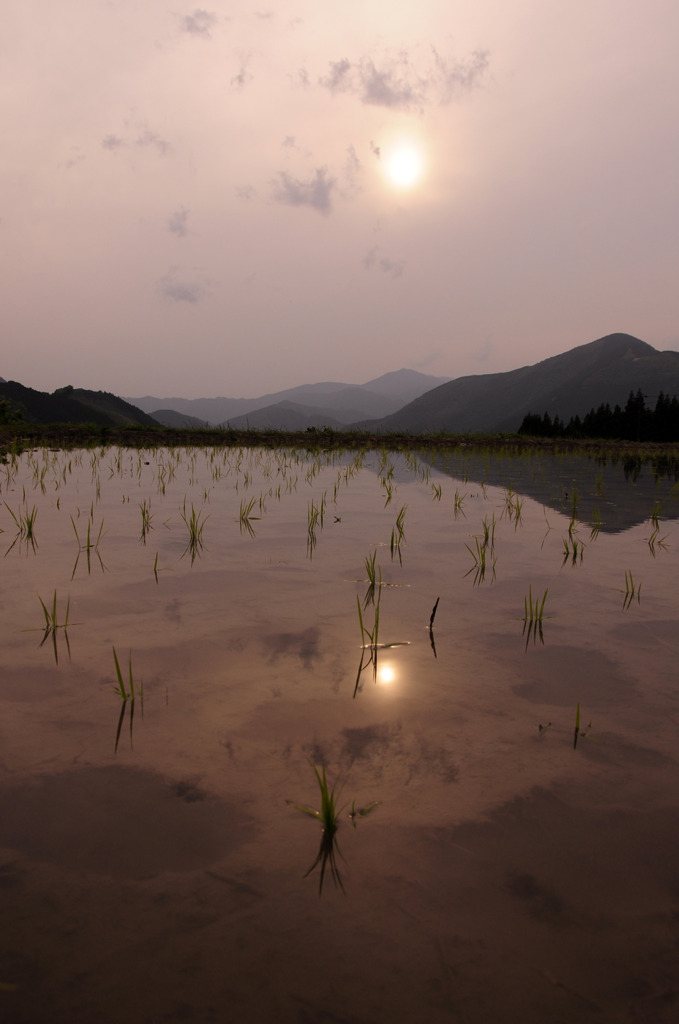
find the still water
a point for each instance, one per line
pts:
(494, 864)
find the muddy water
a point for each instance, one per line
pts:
(152, 864)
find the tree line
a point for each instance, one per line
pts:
(634, 422)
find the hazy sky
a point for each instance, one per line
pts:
(235, 199)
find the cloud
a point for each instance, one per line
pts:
(77, 157)
(340, 78)
(199, 23)
(392, 268)
(145, 138)
(385, 87)
(459, 76)
(243, 76)
(352, 172)
(396, 83)
(316, 192)
(149, 138)
(177, 222)
(179, 289)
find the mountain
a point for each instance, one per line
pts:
(566, 385)
(329, 400)
(285, 416)
(178, 420)
(72, 405)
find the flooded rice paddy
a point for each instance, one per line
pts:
(480, 653)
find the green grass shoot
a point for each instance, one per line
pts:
(631, 590)
(246, 517)
(88, 545)
(195, 522)
(128, 696)
(573, 550)
(533, 616)
(579, 733)
(479, 554)
(52, 624)
(328, 817)
(25, 526)
(398, 535)
(146, 519)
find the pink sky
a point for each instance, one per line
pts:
(196, 201)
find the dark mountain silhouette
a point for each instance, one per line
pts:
(72, 405)
(329, 403)
(178, 420)
(566, 385)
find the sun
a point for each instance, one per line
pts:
(403, 165)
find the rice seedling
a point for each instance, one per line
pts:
(89, 545)
(374, 574)
(146, 519)
(655, 540)
(361, 812)
(573, 550)
(370, 645)
(437, 490)
(52, 624)
(157, 568)
(25, 525)
(533, 617)
(369, 641)
(542, 729)
(397, 535)
(328, 817)
(509, 502)
(314, 515)
(578, 732)
(489, 532)
(368, 637)
(595, 524)
(194, 522)
(458, 503)
(631, 591)
(245, 516)
(479, 554)
(127, 696)
(513, 507)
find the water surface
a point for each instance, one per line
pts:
(152, 863)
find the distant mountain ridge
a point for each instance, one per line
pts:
(72, 405)
(602, 372)
(570, 384)
(328, 403)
